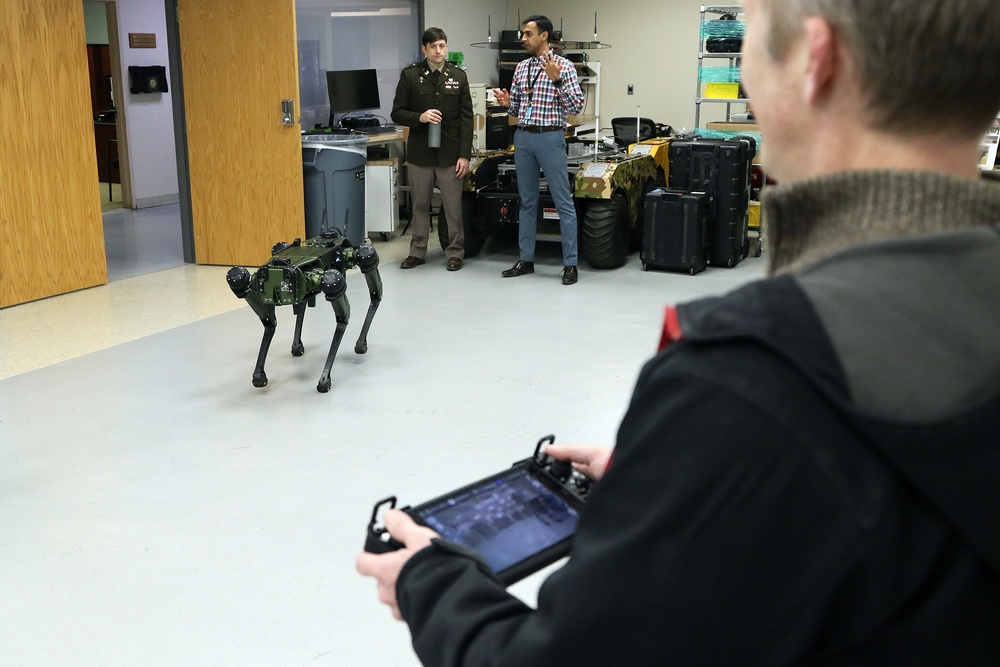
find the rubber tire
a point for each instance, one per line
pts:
(475, 235)
(605, 232)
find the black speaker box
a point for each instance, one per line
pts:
(150, 79)
(497, 132)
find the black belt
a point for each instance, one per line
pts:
(540, 128)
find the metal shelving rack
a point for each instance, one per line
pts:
(589, 74)
(733, 58)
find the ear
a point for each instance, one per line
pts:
(824, 62)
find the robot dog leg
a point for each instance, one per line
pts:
(299, 309)
(239, 281)
(335, 289)
(367, 259)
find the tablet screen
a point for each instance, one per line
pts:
(506, 518)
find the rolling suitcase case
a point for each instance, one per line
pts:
(675, 231)
(720, 167)
(730, 240)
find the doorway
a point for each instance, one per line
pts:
(103, 60)
(139, 237)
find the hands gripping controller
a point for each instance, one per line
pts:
(518, 520)
(379, 541)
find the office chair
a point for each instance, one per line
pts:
(624, 130)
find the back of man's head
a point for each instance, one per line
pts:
(925, 65)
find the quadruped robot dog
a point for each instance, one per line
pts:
(294, 276)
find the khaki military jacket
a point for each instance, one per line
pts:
(418, 91)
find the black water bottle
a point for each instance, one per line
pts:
(434, 135)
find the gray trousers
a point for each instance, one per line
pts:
(422, 181)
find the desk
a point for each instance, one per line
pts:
(389, 137)
(382, 184)
(381, 208)
(104, 133)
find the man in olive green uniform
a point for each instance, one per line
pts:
(435, 92)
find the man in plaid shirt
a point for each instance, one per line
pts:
(544, 91)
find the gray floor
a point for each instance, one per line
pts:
(137, 242)
(157, 509)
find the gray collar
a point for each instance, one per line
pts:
(812, 219)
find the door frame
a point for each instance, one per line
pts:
(180, 130)
(117, 87)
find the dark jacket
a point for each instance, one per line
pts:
(419, 90)
(754, 513)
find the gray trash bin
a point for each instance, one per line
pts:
(333, 171)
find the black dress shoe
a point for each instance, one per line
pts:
(411, 262)
(570, 275)
(519, 269)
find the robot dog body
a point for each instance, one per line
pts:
(294, 276)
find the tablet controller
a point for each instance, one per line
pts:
(558, 476)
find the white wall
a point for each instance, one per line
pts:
(465, 24)
(149, 117)
(654, 47)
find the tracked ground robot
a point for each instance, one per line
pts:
(294, 276)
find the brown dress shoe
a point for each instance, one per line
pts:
(454, 263)
(519, 269)
(411, 262)
(570, 275)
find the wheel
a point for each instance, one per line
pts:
(475, 236)
(384, 235)
(605, 232)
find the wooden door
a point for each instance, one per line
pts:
(238, 59)
(51, 232)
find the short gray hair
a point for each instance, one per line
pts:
(924, 64)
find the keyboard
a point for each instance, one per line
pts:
(381, 129)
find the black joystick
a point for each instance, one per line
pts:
(561, 470)
(378, 540)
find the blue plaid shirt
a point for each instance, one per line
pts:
(547, 105)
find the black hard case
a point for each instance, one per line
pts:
(675, 231)
(724, 44)
(720, 167)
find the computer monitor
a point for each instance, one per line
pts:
(352, 90)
